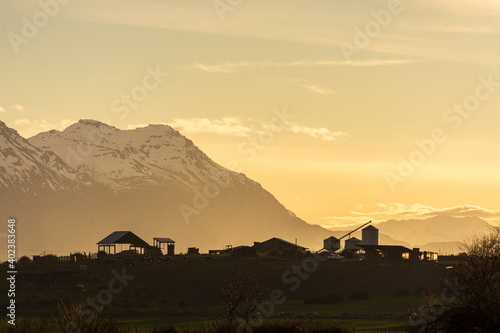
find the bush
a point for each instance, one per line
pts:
(470, 297)
(24, 261)
(87, 321)
(359, 295)
(27, 325)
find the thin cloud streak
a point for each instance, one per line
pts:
(236, 66)
(28, 128)
(319, 89)
(234, 126)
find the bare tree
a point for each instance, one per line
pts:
(470, 298)
(242, 294)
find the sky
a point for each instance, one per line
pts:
(385, 109)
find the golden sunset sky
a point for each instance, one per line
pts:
(393, 106)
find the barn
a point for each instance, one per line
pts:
(277, 244)
(122, 237)
(396, 253)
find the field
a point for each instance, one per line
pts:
(187, 293)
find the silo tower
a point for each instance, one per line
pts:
(352, 244)
(370, 235)
(331, 244)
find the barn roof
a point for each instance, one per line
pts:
(353, 239)
(123, 237)
(286, 242)
(384, 247)
(164, 240)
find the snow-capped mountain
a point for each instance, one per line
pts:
(27, 169)
(156, 155)
(152, 181)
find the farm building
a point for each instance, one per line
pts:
(331, 244)
(370, 235)
(193, 251)
(238, 251)
(276, 244)
(385, 252)
(395, 253)
(122, 237)
(352, 244)
(159, 243)
(243, 251)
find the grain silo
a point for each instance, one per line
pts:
(370, 235)
(331, 244)
(352, 244)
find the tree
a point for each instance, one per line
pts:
(470, 298)
(242, 293)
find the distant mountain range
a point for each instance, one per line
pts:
(442, 234)
(69, 189)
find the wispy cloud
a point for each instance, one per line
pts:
(2, 109)
(231, 126)
(28, 127)
(401, 211)
(319, 89)
(315, 132)
(231, 67)
(17, 107)
(235, 126)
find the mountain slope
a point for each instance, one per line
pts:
(440, 228)
(27, 171)
(151, 180)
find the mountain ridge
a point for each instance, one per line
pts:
(138, 180)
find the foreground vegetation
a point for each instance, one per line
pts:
(223, 295)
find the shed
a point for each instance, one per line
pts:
(122, 237)
(158, 242)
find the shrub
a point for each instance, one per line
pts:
(88, 321)
(469, 299)
(24, 261)
(27, 325)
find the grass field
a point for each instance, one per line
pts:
(186, 294)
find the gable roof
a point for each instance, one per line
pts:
(123, 237)
(284, 241)
(164, 240)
